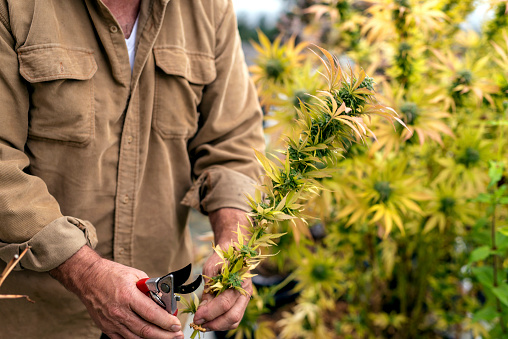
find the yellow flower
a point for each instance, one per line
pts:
(275, 64)
(320, 272)
(448, 208)
(391, 18)
(423, 120)
(345, 22)
(306, 321)
(461, 79)
(282, 115)
(406, 62)
(385, 193)
(466, 165)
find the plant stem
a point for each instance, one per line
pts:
(375, 297)
(283, 284)
(494, 266)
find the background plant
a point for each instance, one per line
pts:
(414, 223)
(335, 118)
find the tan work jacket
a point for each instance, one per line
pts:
(90, 153)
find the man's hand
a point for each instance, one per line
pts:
(109, 292)
(225, 311)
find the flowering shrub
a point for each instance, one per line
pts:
(335, 117)
(415, 213)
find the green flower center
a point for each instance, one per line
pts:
(367, 83)
(274, 69)
(464, 77)
(402, 3)
(247, 251)
(355, 103)
(319, 272)
(384, 190)
(234, 280)
(398, 14)
(343, 7)
(306, 325)
(447, 205)
(410, 111)
(470, 157)
(404, 47)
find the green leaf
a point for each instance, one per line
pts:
(480, 253)
(488, 314)
(501, 293)
(501, 241)
(503, 230)
(484, 197)
(484, 275)
(480, 223)
(326, 173)
(503, 200)
(498, 123)
(495, 172)
(238, 266)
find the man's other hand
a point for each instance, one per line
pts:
(225, 311)
(109, 292)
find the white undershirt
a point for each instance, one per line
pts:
(131, 43)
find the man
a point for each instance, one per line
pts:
(96, 154)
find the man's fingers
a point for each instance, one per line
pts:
(122, 333)
(215, 307)
(147, 309)
(231, 318)
(143, 329)
(205, 299)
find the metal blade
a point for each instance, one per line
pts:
(181, 275)
(185, 289)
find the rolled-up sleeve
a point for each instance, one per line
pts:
(222, 152)
(29, 215)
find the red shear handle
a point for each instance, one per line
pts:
(142, 286)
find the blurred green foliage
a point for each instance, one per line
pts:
(416, 219)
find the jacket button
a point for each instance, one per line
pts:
(125, 199)
(113, 29)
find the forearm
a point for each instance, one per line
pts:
(224, 222)
(72, 271)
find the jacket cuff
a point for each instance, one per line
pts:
(220, 187)
(52, 245)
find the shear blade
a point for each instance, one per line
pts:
(185, 289)
(181, 276)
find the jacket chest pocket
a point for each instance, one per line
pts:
(61, 92)
(180, 78)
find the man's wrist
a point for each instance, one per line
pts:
(71, 271)
(225, 222)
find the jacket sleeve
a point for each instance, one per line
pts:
(222, 151)
(29, 215)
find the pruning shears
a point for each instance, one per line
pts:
(162, 290)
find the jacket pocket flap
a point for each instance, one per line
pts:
(52, 62)
(198, 68)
